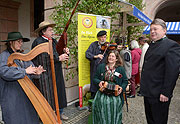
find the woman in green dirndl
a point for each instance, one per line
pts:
(107, 106)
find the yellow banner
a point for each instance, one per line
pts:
(88, 27)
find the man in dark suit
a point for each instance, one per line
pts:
(159, 73)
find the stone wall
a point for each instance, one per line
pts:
(8, 19)
(72, 85)
(153, 6)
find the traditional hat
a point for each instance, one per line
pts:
(43, 25)
(15, 36)
(101, 33)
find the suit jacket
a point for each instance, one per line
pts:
(161, 68)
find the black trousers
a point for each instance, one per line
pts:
(156, 111)
(93, 95)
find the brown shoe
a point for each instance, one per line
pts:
(64, 117)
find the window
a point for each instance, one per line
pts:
(37, 14)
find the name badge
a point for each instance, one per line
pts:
(118, 74)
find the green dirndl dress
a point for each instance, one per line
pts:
(107, 109)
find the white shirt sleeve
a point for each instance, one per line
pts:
(144, 49)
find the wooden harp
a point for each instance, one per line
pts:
(40, 104)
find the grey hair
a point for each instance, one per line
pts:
(160, 22)
(134, 44)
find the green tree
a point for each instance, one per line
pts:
(134, 31)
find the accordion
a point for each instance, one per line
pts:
(110, 89)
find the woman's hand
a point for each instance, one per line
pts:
(39, 70)
(120, 90)
(101, 84)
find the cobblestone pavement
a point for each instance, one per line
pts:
(135, 115)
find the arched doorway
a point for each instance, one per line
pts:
(169, 11)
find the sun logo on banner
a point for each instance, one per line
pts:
(87, 22)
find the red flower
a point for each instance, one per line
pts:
(120, 75)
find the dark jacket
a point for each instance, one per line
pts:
(45, 82)
(100, 76)
(160, 69)
(93, 50)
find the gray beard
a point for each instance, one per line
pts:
(102, 42)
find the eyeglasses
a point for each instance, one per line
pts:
(20, 41)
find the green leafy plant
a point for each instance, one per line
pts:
(61, 16)
(110, 8)
(134, 31)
